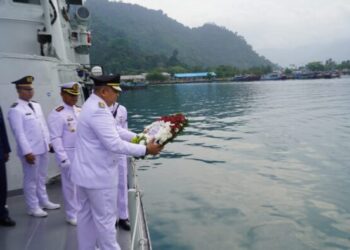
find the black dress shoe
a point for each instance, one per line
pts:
(7, 222)
(124, 224)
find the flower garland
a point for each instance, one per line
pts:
(163, 130)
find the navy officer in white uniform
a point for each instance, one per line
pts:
(32, 137)
(94, 169)
(121, 116)
(62, 122)
(5, 219)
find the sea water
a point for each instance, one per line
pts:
(262, 165)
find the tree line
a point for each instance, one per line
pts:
(130, 39)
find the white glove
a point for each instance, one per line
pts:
(65, 163)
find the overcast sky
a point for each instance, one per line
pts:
(285, 31)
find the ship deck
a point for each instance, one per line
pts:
(50, 233)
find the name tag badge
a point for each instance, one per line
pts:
(71, 127)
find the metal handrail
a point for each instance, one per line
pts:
(140, 235)
(137, 231)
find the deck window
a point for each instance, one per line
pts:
(28, 1)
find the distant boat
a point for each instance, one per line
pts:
(246, 78)
(133, 85)
(273, 76)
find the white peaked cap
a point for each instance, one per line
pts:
(69, 84)
(96, 71)
(70, 87)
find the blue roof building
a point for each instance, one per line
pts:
(195, 75)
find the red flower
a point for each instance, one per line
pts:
(177, 122)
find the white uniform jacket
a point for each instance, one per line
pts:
(29, 128)
(97, 144)
(121, 122)
(62, 123)
(121, 115)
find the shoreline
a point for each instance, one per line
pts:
(191, 81)
(231, 80)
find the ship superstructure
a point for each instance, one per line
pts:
(48, 39)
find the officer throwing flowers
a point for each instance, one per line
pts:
(95, 170)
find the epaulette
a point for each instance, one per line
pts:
(33, 101)
(59, 109)
(101, 105)
(14, 105)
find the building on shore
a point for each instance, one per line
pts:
(195, 77)
(133, 78)
(133, 81)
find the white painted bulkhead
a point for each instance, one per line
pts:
(20, 55)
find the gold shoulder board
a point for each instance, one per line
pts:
(59, 109)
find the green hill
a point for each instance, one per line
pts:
(130, 38)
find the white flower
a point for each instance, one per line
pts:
(159, 130)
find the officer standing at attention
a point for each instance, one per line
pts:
(95, 170)
(5, 149)
(62, 123)
(121, 116)
(32, 136)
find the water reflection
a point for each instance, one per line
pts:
(261, 166)
(206, 161)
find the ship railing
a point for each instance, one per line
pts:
(140, 238)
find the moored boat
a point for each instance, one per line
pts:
(133, 85)
(272, 76)
(246, 78)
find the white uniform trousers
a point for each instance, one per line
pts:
(123, 212)
(69, 189)
(96, 218)
(34, 179)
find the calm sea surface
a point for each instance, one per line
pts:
(262, 165)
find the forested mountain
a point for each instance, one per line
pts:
(130, 38)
